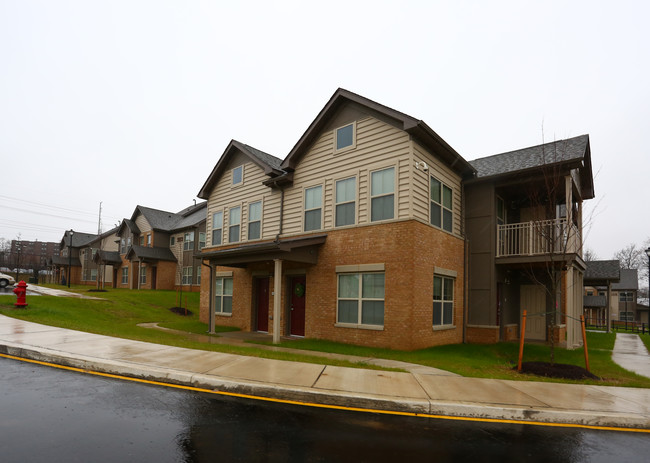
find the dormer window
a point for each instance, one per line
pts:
(345, 137)
(237, 175)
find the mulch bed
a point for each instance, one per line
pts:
(180, 311)
(556, 370)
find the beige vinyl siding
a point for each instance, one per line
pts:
(378, 145)
(420, 182)
(223, 197)
(143, 225)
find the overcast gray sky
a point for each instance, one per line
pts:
(133, 102)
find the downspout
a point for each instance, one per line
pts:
(277, 237)
(465, 263)
(211, 321)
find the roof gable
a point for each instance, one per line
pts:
(414, 127)
(268, 163)
(573, 153)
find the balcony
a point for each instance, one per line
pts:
(538, 238)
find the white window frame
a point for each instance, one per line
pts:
(625, 296)
(188, 241)
(352, 145)
(441, 205)
(319, 208)
(259, 220)
(241, 176)
(221, 296)
(187, 276)
(231, 225)
(360, 299)
(220, 229)
(198, 274)
(383, 195)
(143, 274)
(125, 275)
(172, 241)
(344, 202)
(149, 240)
(202, 241)
(443, 300)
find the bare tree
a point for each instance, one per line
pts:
(589, 255)
(630, 256)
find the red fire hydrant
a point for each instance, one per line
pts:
(21, 293)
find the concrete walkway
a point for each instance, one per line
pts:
(412, 392)
(630, 353)
(57, 292)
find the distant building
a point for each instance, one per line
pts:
(31, 254)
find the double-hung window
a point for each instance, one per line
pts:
(187, 275)
(346, 193)
(188, 241)
(198, 275)
(234, 218)
(441, 197)
(143, 275)
(125, 275)
(217, 228)
(313, 208)
(382, 194)
(360, 298)
(223, 295)
(625, 296)
(255, 220)
(443, 301)
(201, 240)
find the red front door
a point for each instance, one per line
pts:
(297, 310)
(262, 297)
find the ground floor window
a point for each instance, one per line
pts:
(143, 275)
(223, 295)
(125, 275)
(198, 275)
(361, 298)
(187, 275)
(443, 301)
(626, 316)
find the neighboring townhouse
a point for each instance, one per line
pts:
(97, 259)
(67, 266)
(187, 239)
(623, 296)
(359, 235)
(523, 214)
(148, 247)
(356, 236)
(600, 277)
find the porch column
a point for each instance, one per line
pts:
(213, 276)
(277, 300)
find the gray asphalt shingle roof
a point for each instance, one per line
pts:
(571, 149)
(157, 253)
(629, 280)
(594, 301)
(266, 158)
(601, 270)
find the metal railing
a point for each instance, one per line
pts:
(538, 237)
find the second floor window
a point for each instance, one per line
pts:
(122, 247)
(625, 296)
(188, 241)
(255, 220)
(313, 208)
(201, 240)
(149, 240)
(142, 240)
(345, 137)
(382, 194)
(441, 205)
(217, 228)
(346, 193)
(234, 227)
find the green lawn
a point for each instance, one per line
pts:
(122, 310)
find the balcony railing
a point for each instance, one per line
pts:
(536, 238)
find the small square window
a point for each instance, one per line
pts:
(345, 137)
(237, 175)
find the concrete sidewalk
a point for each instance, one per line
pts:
(419, 391)
(630, 353)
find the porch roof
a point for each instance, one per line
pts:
(594, 301)
(303, 249)
(145, 253)
(64, 261)
(107, 257)
(602, 272)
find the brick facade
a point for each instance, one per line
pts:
(409, 251)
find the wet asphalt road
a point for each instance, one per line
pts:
(52, 415)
